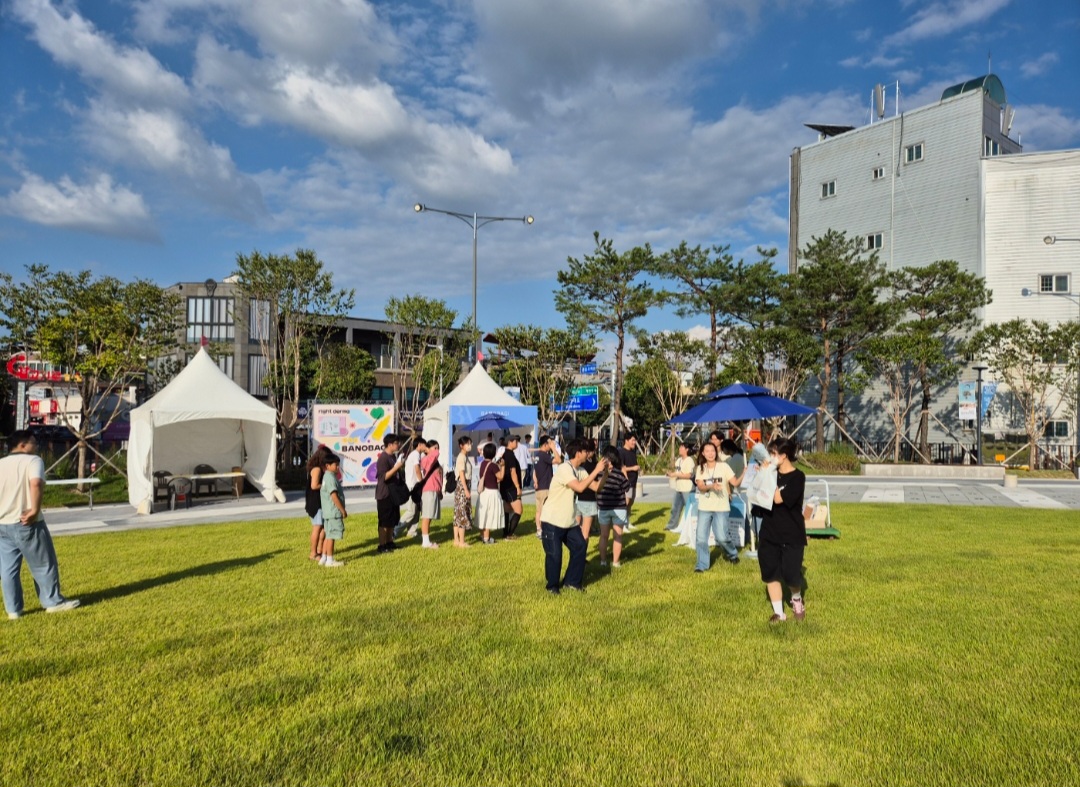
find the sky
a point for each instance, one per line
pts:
(158, 139)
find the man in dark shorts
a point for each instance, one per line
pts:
(629, 456)
(387, 467)
(510, 486)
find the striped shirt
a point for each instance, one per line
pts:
(612, 494)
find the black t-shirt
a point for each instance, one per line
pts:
(383, 465)
(312, 497)
(784, 524)
(544, 471)
(510, 463)
(629, 459)
(589, 494)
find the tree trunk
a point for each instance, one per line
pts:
(616, 421)
(81, 464)
(712, 363)
(924, 418)
(840, 396)
(823, 399)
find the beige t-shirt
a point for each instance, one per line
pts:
(16, 472)
(684, 464)
(714, 499)
(463, 464)
(559, 506)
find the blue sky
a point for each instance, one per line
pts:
(159, 138)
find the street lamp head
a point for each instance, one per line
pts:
(1050, 240)
(418, 207)
(528, 219)
(979, 368)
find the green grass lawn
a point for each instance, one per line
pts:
(941, 646)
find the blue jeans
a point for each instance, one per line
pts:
(679, 501)
(716, 521)
(553, 539)
(33, 543)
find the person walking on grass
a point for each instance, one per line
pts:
(313, 499)
(714, 481)
(489, 509)
(463, 469)
(782, 538)
(559, 525)
(547, 456)
(387, 470)
(431, 493)
(23, 533)
(586, 499)
(732, 455)
(410, 514)
(523, 454)
(333, 509)
(612, 505)
(510, 486)
(682, 481)
(628, 455)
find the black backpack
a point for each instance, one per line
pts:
(451, 483)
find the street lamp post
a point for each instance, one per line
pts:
(475, 222)
(979, 369)
(1051, 240)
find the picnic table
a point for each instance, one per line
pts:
(191, 478)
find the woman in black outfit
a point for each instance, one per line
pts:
(783, 532)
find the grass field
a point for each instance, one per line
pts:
(941, 647)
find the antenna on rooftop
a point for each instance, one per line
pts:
(989, 70)
(879, 100)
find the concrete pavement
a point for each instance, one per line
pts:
(1046, 494)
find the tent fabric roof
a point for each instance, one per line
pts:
(478, 389)
(202, 390)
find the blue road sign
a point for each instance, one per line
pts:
(588, 368)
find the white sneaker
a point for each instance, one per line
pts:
(331, 563)
(412, 531)
(14, 615)
(430, 545)
(64, 606)
(616, 565)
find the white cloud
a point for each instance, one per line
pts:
(943, 18)
(1040, 65)
(75, 42)
(1045, 128)
(96, 206)
(164, 142)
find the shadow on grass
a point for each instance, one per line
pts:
(206, 569)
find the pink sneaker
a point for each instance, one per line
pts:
(799, 608)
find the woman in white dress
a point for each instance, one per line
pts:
(489, 508)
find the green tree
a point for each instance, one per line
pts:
(941, 304)
(1038, 362)
(640, 401)
(104, 331)
(345, 373)
(427, 348)
(836, 301)
(605, 292)
(543, 363)
(674, 366)
(295, 302)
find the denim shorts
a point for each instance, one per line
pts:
(613, 516)
(316, 521)
(586, 507)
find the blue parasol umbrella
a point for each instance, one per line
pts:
(491, 422)
(740, 402)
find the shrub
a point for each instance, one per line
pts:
(832, 461)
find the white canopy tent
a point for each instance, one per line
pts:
(475, 396)
(201, 417)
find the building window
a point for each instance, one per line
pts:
(1054, 282)
(382, 393)
(257, 369)
(873, 241)
(1056, 429)
(225, 363)
(828, 189)
(258, 320)
(210, 318)
(879, 173)
(991, 147)
(913, 153)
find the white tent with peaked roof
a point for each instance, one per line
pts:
(201, 417)
(475, 396)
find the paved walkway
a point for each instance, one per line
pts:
(1062, 495)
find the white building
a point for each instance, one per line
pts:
(947, 181)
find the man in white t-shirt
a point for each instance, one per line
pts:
(524, 456)
(410, 514)
(23, 534)
(559, 526)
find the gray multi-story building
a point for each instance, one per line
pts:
(947, 181)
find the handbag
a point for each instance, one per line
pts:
(417, 492)
(763, 487)
(398, 492)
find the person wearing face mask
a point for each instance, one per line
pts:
(782, 539)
